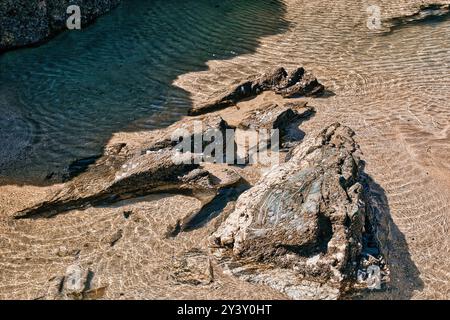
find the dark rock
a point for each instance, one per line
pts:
(299, 230)
(285, 118)
(79, 166)
(298, 83)
(301, 84)
(25, 22)
(193, 268)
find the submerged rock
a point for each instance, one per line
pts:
(424, 13)
(299, 230)
(120, 175)
(300, 83)
(25, 22)
(193, 268)
(296, 84)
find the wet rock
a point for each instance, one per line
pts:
(25, 22)
(120, 175)
(299, 230)
(286, 118)
(76, 284)
(115, 237)
(193, 268)
(301, 83)
(79, 166)
(423, 13)
(298, 83)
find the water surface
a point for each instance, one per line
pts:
(63, 100)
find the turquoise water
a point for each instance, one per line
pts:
(62, 101)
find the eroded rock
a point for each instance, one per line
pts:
(286, 118)
(299, 230)
(297, 83)
(120, 174)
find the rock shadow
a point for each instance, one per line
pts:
(404, 274)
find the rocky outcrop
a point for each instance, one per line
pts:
(308, 228)
(295, 84)
(25, 22)
(122, 174)
(286, 118)
(300, 229)
(423, 13)
(192, 267)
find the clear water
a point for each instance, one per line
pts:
(63, 100)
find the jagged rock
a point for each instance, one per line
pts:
(300, 83)
(299, 230)
(25, 22)
(297, 83)
(285, 118)
(193, 268)
(115, 237)
(119, 175)
(194, 130)
(423, 13)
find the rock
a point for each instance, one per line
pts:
(299, 230)
(120, 175)
(115, 237)
(285, 118)
(79, 166)
(423, 13)
(25, 22)
(298, 83)
(301, 83)
(269, 80)
(193, 268)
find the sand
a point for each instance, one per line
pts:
(392, 89)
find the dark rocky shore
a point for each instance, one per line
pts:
(27, 23)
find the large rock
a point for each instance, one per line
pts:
(120, 174)
(296, 84)
(300, 229)
(26, 22)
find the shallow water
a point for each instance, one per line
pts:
(62, 101)
(392, 89)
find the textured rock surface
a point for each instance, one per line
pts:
(28, 22)
(122, 174)
(297, 83)
(286, 118)
(300, 229)
(192, 267)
